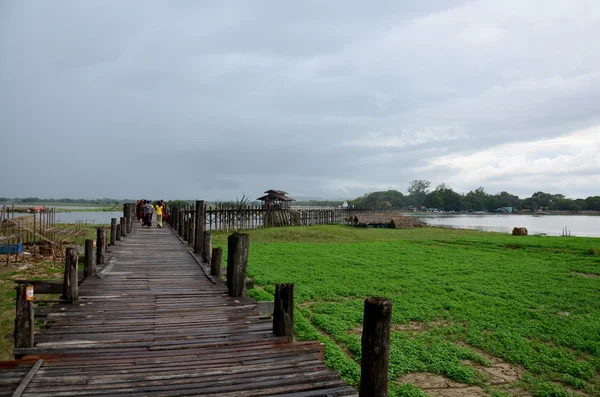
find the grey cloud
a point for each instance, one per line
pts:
(320, 99)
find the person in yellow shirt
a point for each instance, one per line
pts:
(159, 214)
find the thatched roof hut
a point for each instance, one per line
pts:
(406, 222)
(371, 220)
(385, 221)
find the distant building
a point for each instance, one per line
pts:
(345, 204)
(276, 199)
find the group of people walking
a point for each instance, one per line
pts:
(145, 210)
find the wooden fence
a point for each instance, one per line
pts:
(226, 219)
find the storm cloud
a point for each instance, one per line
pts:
(332, 99)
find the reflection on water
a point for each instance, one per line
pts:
(551, 225)
(97, 218)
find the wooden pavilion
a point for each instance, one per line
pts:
(276, 199)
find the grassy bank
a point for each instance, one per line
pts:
(463, 301)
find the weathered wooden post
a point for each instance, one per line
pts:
(216, 262)
(90, 261)
(191, 239)
(123, 227)
(375, 348)
(118, 232)
(24, 325)
(132, 217)
(113, 231)
(237, 263)
(200, 223)
(70, 283)
(186, 224)
(180, 224)
(283, 312)
(206, 246)
(175, 218)
(100, 236)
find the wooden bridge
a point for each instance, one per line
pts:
(156, 324)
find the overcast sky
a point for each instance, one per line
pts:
(332, 99)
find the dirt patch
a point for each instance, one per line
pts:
(420, 326)
(439, 386)
(413, 326)
(305, 305)
(11, 267)
(585, 274)
(500, 373)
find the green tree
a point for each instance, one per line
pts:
(418, 190)
(592, 203)
(443, 197)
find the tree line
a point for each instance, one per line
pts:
(36, 200)
(443, 197)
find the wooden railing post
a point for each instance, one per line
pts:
(126, 214)
(123, 226)
(24, 325)
(283, 312)
(185, 229)
(100, 236)
(207, 246)
(180, 224)
(105, 232)
(70, 283)
(113, 231)
(200, 226)
(375, 348)
(90, 261)
(131, 218)
(118, 232)
(216, 262)
(237, 263)
(191, 227)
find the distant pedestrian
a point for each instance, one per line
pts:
(138, 210)
(148, 210)
(165, 214)
(159, 214)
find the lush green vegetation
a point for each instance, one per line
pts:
(444, 198)
(531, 301)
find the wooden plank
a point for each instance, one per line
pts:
(132, 332)
(28, 378)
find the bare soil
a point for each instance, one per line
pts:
(439, 386)
(500, 375)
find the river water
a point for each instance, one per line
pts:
(97, 218)
(551, 225)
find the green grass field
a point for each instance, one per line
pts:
(462, 300)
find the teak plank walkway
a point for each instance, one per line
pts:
(155, 325)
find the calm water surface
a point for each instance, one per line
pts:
(97, 218)
(552, 225)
